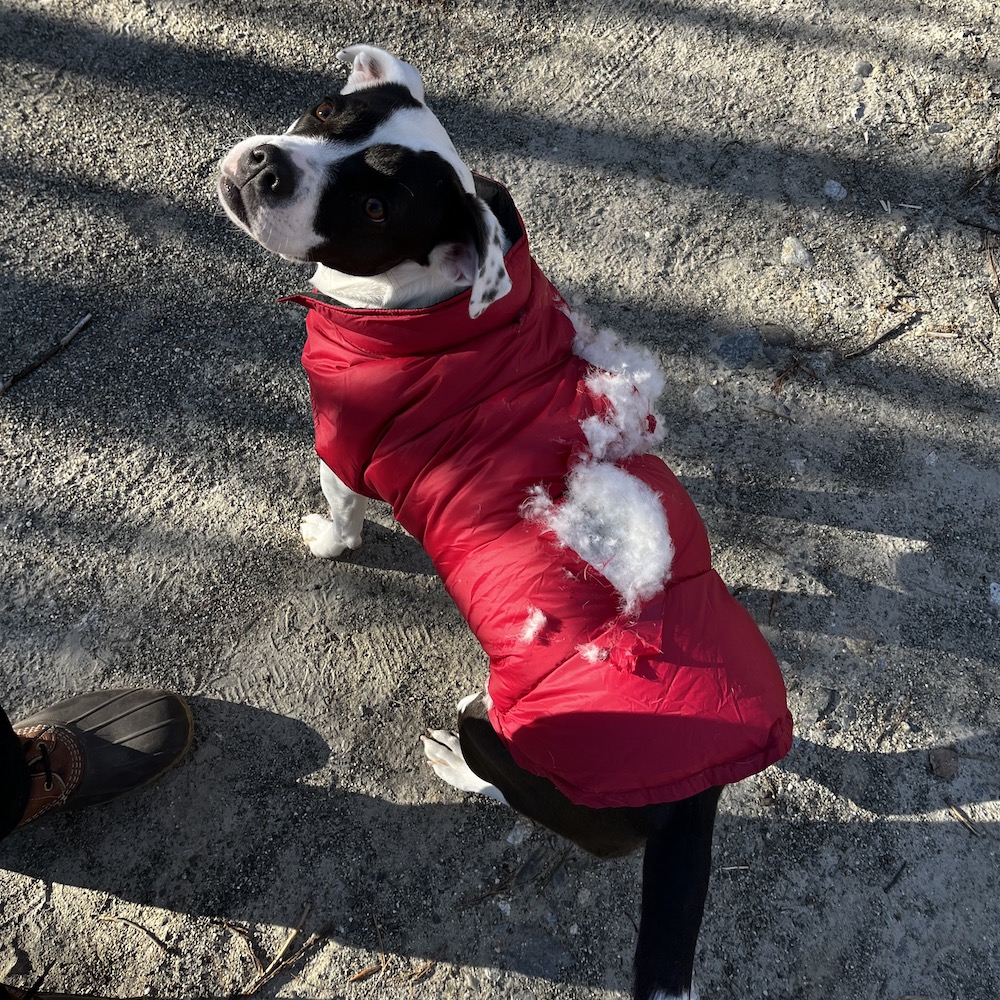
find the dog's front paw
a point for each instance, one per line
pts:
(444, 754)
(323, 538)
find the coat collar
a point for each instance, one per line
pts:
(446, 325)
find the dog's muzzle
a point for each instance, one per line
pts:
(259, 176)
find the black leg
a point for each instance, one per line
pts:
(607, 833)
(675, 876)
(14, 780)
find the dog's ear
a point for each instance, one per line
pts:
(371, 66)
(490, 280)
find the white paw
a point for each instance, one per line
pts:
(444, 754)
(323, 538)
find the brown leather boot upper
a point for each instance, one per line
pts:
(55, 764)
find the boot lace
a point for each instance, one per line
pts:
(43, 755)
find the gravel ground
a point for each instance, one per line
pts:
(795, 206)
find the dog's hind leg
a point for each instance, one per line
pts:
(328, 538)
(444, 753)
(676, 865)
(675, 874)
(605, 832)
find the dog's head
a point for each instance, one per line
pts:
(368, 185)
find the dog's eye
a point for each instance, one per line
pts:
(324, 111)
(375, 210)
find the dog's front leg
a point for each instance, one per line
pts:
(328, 538)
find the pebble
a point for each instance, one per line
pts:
(521, 831)
(943, 762)
(995, 594)
(738, 349)
(862, 68)
(794, 254)
(834, 189)
(706, 399)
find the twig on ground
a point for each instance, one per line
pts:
(963, 817)
(978, 225)
(421, 973)
(775, 414)
(283, 960)
(903, 314)
(245, 935)
(795, 366)
(358, 976)
(383, 962)
(895, 722)
(44, 356)
(895, 878)
(530, 871)
(169, 949)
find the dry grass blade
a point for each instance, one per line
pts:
(424, 970)
(979, 175)
(533, 870)
(371, 969)
(795, 366)
(897, 315)
(775, 414)
(244, 933)
(895, 878)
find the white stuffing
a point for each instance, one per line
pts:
(613, 521)
(533, 624)
(591, 652)
(630, 379)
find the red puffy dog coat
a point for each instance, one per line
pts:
(475, 431)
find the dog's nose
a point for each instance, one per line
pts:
(270, 171)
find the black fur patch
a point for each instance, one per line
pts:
(423, 202)
(355, 116)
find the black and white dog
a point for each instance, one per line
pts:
(450, 379)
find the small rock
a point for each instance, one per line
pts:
(995, 594)
(521, 831)
(835, 190)
(738, 349)
(939, 128)
(862, 68)
(794, 254)
(706, 399)
(943, 762)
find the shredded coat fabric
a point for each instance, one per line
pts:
(456, 423)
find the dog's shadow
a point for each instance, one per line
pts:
(249, 829)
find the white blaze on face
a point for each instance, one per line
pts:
(287, 228)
